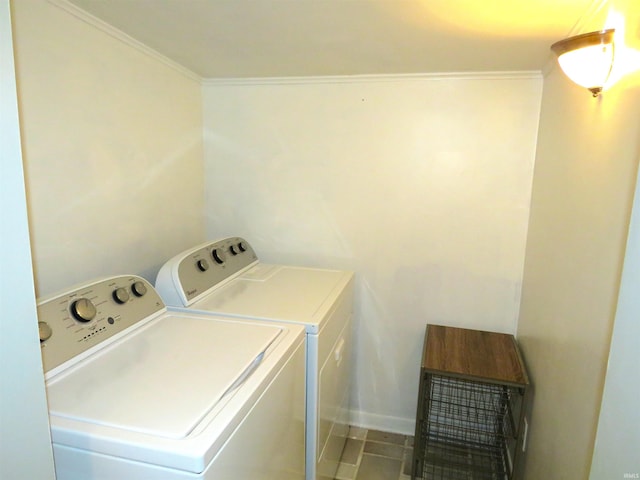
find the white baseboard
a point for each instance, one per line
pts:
(404, 426)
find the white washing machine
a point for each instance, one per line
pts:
(137, 392)
(224, 277)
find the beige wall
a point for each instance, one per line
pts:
(583, 188)
(419, 184)
(112, 140)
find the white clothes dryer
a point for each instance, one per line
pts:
(137, 392)
(224, 277)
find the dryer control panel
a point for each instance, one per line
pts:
(192, 273)
(80, 319)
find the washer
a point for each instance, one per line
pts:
(140, 393)
(225, 277)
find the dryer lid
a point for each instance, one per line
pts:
(277, 292)
(163, 378)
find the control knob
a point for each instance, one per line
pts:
(237, 249)
(44, 330)
(83, 310)
(120, 295)
(202, 265)
(139, 289)
(218, 256)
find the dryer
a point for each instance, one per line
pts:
(225, 277)
(138, 392)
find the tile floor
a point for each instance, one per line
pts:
(375, 455)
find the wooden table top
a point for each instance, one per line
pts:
(473, 354)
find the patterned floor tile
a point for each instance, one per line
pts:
(352, 451)
(375, 455)
(374, 467)
(384, 449)
(386, 437)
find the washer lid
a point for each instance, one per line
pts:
(163, 378)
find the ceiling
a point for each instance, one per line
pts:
(281, 38)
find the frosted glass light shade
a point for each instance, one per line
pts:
(587, 59)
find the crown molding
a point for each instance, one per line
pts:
(528, 74)
(123, 37)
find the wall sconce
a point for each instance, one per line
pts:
(587, 59)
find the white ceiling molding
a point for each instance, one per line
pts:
(122, 37)
(371, 78)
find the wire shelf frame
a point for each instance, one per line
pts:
(467, 429)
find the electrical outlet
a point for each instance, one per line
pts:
(524, 435)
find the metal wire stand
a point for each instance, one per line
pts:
(467, 429)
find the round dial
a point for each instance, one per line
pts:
(120, 295)
(218, 256)
(44, 330)
(83, 310)
(139, 289)
(234, 250)
(202, 265)
(242, 247)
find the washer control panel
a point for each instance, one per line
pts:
(211, 264)
(83, 317)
